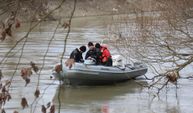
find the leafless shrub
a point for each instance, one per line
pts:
(162, 36)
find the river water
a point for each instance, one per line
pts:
(129, 97)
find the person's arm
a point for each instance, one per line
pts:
(81, 58)
(106, 55)
(87, 55)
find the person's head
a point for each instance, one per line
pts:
(97, 45)
(82, 49)
(90, 44)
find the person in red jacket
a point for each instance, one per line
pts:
(106, 55)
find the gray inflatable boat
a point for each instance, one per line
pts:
(90, 74)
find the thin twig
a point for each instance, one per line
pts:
(64, 49)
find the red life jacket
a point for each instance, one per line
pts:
(105, 54)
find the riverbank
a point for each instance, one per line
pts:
(36, 10)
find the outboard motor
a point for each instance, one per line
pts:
(117, 60)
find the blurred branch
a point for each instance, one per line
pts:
(69, 29)
(164, 39)
(64, 49)
(31, 28)
(24, 40)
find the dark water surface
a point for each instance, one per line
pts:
(127, 97)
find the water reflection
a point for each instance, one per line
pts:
(96, 98)
(127, 97)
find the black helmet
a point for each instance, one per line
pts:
(83, 48)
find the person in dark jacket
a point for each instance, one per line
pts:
(77, 54)
(98, 54)
(91, 52)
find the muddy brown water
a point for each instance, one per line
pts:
(127, 97)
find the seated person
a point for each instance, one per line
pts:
(77, 54)
(91, 53)
(105, 57)
(98, 54)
